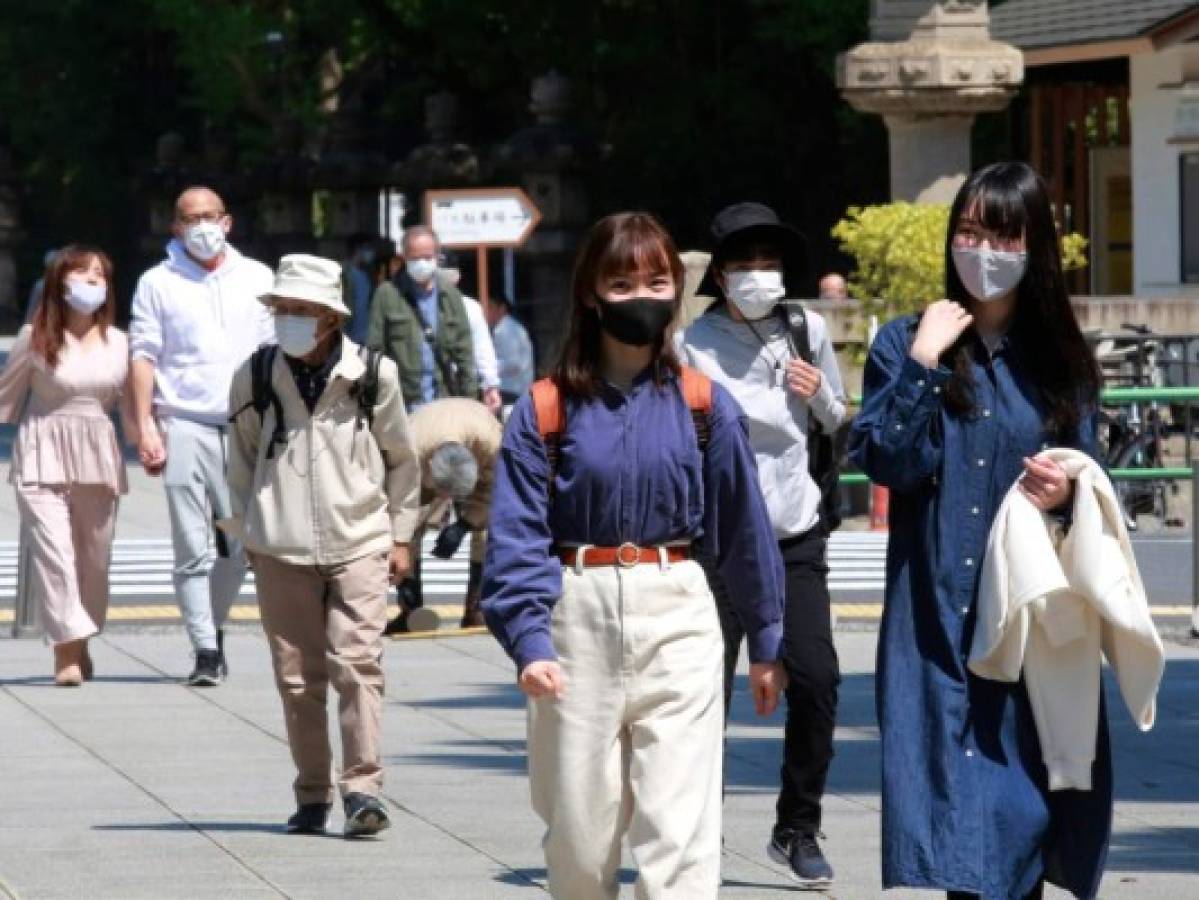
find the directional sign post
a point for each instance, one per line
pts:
(481, 218)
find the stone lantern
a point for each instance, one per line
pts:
(549, 159)
(929, 69)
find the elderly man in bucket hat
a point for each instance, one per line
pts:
(778, 361)
(324, 483)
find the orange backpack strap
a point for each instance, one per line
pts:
(550, 410)
(548, 407)
(697, 391)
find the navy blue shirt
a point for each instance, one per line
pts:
(966, 804)
(630, 469)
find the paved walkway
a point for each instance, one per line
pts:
(136, 787)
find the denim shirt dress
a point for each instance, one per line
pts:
(965, 796)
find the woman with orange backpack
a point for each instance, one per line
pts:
(609, 473)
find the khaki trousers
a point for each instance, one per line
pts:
(633, 748)
(70, 532)
(325, 623)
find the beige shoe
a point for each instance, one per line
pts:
(68, 669)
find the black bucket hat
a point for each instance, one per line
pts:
(744, 221)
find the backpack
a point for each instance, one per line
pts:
(823, 465)
(549, 406)
(263, 396)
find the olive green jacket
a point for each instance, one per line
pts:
(396, 330)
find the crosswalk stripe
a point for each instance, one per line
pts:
(141, 568)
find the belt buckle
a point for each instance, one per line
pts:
(631, 548)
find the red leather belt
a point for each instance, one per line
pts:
(626, 555)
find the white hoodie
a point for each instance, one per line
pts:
(1048, 602)
(197, 327)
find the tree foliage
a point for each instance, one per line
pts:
(701, 102)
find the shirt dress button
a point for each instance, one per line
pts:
(986, 413)
(898, 427)
(969, 561)
(981, 463)
(920, 382)
(974, 511)
(936, 390)
(969, 754)
(965, 609)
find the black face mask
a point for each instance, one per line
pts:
(638, 321)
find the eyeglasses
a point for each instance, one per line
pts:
(971, 234)
(211, 215)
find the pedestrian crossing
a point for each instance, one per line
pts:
(141, 569)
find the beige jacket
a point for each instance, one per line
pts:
(333, 493)
(465, 422)
(1050, 604)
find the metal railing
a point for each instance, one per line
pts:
(1115, 397)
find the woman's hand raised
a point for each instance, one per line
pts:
(940, 326)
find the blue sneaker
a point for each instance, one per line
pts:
(800, 853)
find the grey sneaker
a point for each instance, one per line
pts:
(800, 853)
(207, 672)
(366, 816)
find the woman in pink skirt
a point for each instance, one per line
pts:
(65, 374)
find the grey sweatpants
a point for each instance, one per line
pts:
(206, 583)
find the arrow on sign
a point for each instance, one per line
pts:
(487, 217)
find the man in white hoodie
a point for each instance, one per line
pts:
(196, 319)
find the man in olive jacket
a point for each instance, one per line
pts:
(419, 320)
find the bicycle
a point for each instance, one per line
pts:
(1134, 437)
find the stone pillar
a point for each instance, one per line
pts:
(549, 159)
(929, 70)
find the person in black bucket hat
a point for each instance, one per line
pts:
(778, 361)
(743, 225)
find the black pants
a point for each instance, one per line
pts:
(812, 672)
(1035, 894)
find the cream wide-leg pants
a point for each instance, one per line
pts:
(633, 748)
(70, 530)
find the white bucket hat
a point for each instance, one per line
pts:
(312, 278)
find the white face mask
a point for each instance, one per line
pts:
(989, 274)
(296, 335)
(422, 270)
(85, 297)
(755, 293)
(205, 240)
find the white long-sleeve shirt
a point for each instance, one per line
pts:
(734, 356)
(1048, 603)
(197, 327)
(480, 337)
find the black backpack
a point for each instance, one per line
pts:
(823, 464)
(263, 397)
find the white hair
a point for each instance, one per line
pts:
(453, 470)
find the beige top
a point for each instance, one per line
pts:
(333, 492)
(66, 435)
(471, 424)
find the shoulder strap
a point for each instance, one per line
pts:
(368, 386)
(697, 391)
(796, 321)
(550, 409)
(262, 393)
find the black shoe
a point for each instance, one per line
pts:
(365, 815)
(800, 853)
(310, 818)
(220, 648)
(207, 672)
(398, 625)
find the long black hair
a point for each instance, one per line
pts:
(1011, 200)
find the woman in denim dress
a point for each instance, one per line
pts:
(958, 403)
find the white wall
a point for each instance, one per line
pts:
(1157, 263)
